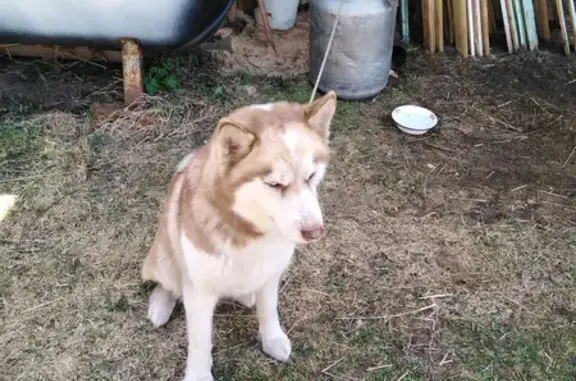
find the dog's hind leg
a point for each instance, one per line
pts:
(160, 306)
(159, 267)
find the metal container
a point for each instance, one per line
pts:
(359, 61)
(156, 25)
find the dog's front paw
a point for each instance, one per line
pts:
(193, 375)
(198, 365)
(278, 347)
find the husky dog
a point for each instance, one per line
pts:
(233, 214)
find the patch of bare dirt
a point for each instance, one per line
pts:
(250, 52)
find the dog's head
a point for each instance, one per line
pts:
(271, 159)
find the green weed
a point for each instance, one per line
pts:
(161, 77)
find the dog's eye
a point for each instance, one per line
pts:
(310, 177)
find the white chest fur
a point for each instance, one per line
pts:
(236, 271)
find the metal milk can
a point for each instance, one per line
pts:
(359, 61)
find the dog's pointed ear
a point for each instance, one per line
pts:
(232, 141)
(319, 114)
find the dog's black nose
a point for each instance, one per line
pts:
(310, 233)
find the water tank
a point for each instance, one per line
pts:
(359, 62)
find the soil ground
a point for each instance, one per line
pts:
(450, 256)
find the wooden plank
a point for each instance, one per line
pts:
(506, 21)
(439, 13)
(562, 22)
(520, 24)
(512, 24)
(405, 21)
(80, 53)
(485, 28)
(460, 26)
(530, 20)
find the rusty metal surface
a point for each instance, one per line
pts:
(132, 71)
(157, 25)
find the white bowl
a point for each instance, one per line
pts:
(414, 120)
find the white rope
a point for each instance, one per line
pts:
(327, 52)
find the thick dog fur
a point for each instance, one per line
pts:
(233, 213)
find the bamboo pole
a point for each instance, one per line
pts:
(507, 26)
(541, 8)
(530, 20)
(450, 15)
(512, 23)
(405, 21)
(572, 11)
(478, 29)
(428, 24)
(460, 26)
(520, 24)
(485, 28)
(470, 13)
(439, 8)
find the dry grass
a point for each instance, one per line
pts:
(448, 257)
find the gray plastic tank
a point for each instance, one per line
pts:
(157, 25)
(359, 62)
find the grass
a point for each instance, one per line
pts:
(447, 257)
(501, 351)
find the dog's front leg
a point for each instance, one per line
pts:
(199, 306)
(274, 341)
